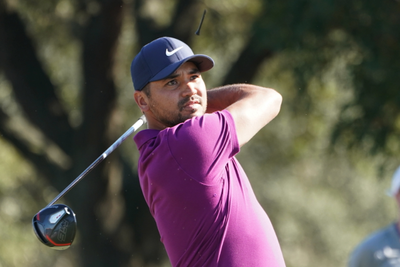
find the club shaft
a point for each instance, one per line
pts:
(201, 23)
(116, 144)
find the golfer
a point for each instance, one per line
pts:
(200, 197)
(382, 247)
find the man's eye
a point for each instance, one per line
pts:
(172, 82)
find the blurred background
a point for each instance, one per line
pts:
(320, 169)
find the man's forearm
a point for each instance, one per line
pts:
(222, 97)
(252, 107)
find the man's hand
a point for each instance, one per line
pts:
(252, 107)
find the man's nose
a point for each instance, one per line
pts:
(190, 88)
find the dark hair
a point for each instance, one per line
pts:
(146, 89)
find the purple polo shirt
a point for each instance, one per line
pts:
(201, 199)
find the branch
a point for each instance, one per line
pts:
(31, 85)
(41, 161)
(99, 43)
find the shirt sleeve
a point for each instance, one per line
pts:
(203, 145)
(363, 256)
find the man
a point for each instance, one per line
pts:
(203, 204)
(381, 248)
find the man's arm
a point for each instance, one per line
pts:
(252, 107)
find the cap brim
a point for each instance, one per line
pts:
(203, 62)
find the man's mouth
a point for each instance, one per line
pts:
(191, 104)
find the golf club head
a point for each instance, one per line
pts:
(55, 226)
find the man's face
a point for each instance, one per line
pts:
(178, 97)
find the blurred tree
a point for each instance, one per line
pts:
(365, 33)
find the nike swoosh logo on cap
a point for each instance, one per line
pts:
(170, 53)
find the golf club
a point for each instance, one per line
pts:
(201, 23)
(55, 225)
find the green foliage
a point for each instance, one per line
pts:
(321, 200)
(17, 203)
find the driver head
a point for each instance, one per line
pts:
(55, 226)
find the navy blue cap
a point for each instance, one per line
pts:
(160, 58)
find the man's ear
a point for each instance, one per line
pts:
(141, 100)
